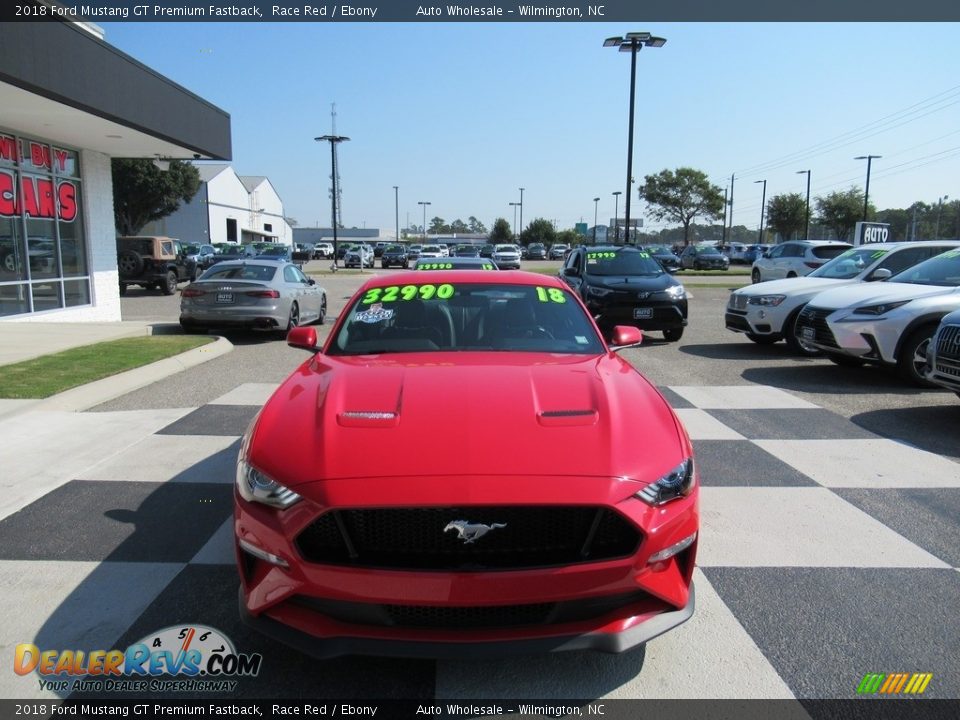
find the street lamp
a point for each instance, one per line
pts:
(596, 200)
(806, 232)
(515, 205)
(396, 209)
(632, 43)
(424, 203)
(723, 234)
(334, 140)
(763, 206)
(936, 235)
(521, 213)
(866, 192)
(616, 217)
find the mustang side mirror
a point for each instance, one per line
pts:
(625, 336)
(304, 338)
(880, 274)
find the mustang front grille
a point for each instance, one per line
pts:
(475, 617)
(516, 537)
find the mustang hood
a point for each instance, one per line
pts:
(479, 414)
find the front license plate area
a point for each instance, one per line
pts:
(642, 313)
(807, 333)
(224, 297)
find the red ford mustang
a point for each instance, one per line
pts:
(465, 464)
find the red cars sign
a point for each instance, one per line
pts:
(37, 197)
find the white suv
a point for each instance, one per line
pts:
(889, 324)
(767, 312)
(943, 354)
(506, 257)
(795, 258)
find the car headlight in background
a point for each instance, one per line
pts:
(676, 292)
(598, 292)
(255, 486)
(879, 309)
(766, 300)
(675, 484)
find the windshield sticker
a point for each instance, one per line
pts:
(951, 254)
(601, 255)
(435, 266)
(551, 295)
(377, 313)
(581, 340)
(879, 254)
(395, 293)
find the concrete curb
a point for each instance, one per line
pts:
(100, 391)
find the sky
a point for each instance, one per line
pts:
(462, 115)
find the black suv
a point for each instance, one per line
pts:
(393, 255)
(621, 285)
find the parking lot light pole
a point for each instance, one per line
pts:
(866, 192)
(396, 209)
(596, 200)
(616, 217)
(806, 232)
(424, 203)
(515, 206)
(334, 140)
(521, 214)
(632, 43)
(723, 233)
(763, 207)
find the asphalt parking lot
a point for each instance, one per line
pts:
(829, 548)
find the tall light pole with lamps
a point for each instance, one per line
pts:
(515, 206)
(763, 207)
(521, 213)
(866, 192)
(632, 43)
(596, 200)
(396, 209)
(806, 232)
(424, 203)
(334, 140)
(616, 216)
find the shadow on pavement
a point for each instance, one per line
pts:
(920, 426)
(825, 377)
(747, 351)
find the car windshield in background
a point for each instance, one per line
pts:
(191, 249)
(259, 273)
(941, 270)
(659, 250)
(828, 252)
(430, 317)
(848, 264)
(622, 262)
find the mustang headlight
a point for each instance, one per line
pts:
(598, 291)
(880, 309)
(255, 486)
(675, 484)
(676, 292)
(766, 300)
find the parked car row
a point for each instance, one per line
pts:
(879, 304)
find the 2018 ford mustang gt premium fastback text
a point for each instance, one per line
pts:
(354, 537)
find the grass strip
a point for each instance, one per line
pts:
(51, 374)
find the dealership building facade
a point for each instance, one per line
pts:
(69, 102)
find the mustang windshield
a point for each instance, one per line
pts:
(429, 317)
(622, 263)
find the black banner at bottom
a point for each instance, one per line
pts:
(865, 709)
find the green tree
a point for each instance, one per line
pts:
(459, 226)
(787, 214)
(142, 192)
(476, 226)
(840, 211)
(682, 195)
(501, 231)
(569, 237)
(438, 226)
(539, 231)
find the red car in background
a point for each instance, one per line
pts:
(555, 506)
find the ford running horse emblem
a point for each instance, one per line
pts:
(469, 532)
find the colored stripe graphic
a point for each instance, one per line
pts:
(894, 683)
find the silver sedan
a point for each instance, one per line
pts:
(259, 294)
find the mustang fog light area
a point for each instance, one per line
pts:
(263, 554)
(767, 300)
(675, 484)
(255, 486)
(669, 552)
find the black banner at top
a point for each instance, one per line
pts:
(481, 11)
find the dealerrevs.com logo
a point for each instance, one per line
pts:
(200, 658)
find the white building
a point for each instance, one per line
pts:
(227, 208)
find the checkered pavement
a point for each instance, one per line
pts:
(826, 552)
